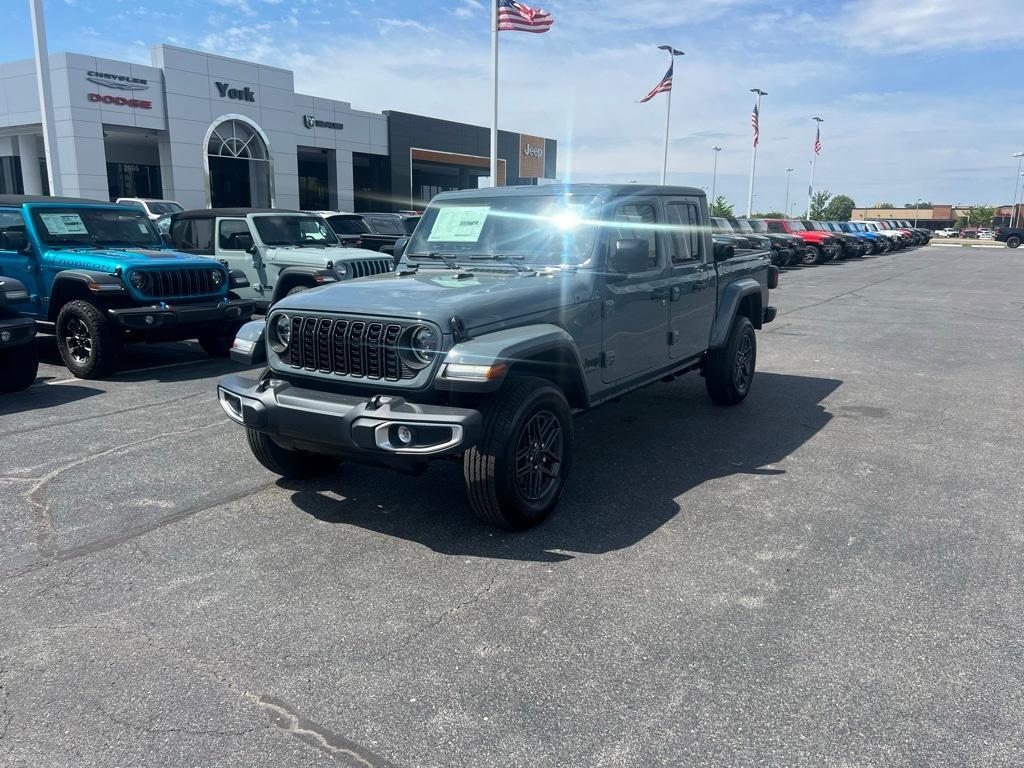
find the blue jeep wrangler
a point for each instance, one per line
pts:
(100, 275)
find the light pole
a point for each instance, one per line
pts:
(814, 159)
(789, 178)
(917, 212)
(1016, 185)
(714, 174)
(672, 53)
(755, 122)
(791, 214)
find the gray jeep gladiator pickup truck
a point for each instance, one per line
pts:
(510, 310)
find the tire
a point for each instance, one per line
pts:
(20, 365)
(289, 464)
(813, 255)
(298, 289)
(1013, 241)
(729, 371)
(217, 343)
(87, 339)
(531, 418)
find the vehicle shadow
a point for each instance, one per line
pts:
(635, 461)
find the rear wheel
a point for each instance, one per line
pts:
(729, 371)
(218, 343)
(292, 465)
(87, 340)
(516, 473)
(20, 365)
(1013, 241)
(812, 255)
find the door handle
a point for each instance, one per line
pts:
(659, 294)
(700, 285)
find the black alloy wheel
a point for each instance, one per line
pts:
(539, 457)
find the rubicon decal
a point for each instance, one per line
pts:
(120, 101)
(121, 82)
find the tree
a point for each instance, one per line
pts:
(977, 216)
(819, 202)
(922, 205)
(769, 215)
(883, 205)
(721, 207)
(840, 208)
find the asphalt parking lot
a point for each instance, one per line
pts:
(828, 575)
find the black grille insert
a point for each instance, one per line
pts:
(357, 348)
(175, 283)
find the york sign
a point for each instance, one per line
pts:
(227, 92)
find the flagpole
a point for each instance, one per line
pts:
(672, 53)
(494, 93)
(753, 159)
(814, 162)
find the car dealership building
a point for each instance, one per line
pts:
(207, 130)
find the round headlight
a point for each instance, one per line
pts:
(137, 279)
(218, 277)
(281, 330)
(341, 270)
(423, 343)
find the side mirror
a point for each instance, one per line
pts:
(630, 256)
(12, 291)
(723, 251)
(14, 240)
(399, 250)
(242, 242)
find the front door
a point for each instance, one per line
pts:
(18, 265)
(635, 319)
(237, 258)
(692, 280)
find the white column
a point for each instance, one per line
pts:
(53, 165)
(28, 154)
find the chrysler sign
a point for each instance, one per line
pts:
(120, 82)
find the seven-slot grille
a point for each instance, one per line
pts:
(168, 283)
(367, 267)
(356, 348)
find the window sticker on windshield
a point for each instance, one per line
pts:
(142, 227)
(63, 223)
(459, 224)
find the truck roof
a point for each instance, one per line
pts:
(22, 199)
(213, 213)
(601, 190)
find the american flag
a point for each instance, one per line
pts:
(754, 124)
(817, 141)
(663, 87)
(516, 17)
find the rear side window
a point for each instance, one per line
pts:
(193, 235)
(776, 226)
(227, 229)
(348, 225)
(637, 221)
(685, 234)
(11, 221)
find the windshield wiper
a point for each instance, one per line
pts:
(512, 261)
(449, 259)
(77, 243)
(124, 244)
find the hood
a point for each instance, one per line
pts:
(108, 259)
(333, 253)
(486, 297)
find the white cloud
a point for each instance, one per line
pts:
(880, 26)
(469, 8)
(387, 25)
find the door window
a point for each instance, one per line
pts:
(11, 221)
(637, 221)
(685, 234)
(193, 235)
(227, 230)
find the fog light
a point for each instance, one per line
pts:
(404, 435)
(5, 336)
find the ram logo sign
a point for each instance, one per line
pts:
(531, 157)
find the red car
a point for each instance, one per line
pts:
(822, 246)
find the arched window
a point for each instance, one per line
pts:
(239, 164)
(233, 138)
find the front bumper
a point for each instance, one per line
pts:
(357, 428)
(165, 315)
(16, 331)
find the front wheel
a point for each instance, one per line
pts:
(217, 343)
(812, 255)
(19, 365)
(729, 371)
(516, 473)
(1013, 241)
(87, 339)
(289, 464)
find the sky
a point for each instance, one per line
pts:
(921, 98)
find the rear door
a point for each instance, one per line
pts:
(635, 316)
(692, 280)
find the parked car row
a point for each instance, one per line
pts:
(1012, 236)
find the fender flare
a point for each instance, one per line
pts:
(728, 306)
(514, 346)
(289, 276)
(101, 285)
(252, 350)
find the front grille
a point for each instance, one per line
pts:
(367, 267)
(355, 348)
(174, 283)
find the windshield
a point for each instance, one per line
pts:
(160, 207)
(348, 225)
(742, 225)
(300, 231)
(98, 227)
(721, 226)
(758, 226)
(541, 229)
(811, 225)
(797, 226)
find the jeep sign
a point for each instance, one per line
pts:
(531, 157)
(227, 92)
